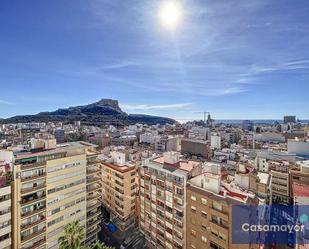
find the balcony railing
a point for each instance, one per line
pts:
(36, 244)
(33, 235)
(178, 218)
(33, 200)
(33, 189)
(36, 211)
(32, 165)
(34, 177)
(27, 226)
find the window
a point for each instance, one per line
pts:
(204, 214)
(193, 233)
(193, 197)
(193, 247)
(204, 201)
(204, 227)
(193, 209)
(204, 239)
(217, 206)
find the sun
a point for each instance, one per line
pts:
(170, 14)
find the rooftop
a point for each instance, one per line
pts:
(185, 165)
(300, 190)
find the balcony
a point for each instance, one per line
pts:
(178, 195)
(93, 223)
(92, 180)
(29, 225)
(33, 235)
(92, 197)
(160, 237)
(34, 177)
(178, 229)
(36, 244)
(180, 184)
(178, 218)
(178, 206)
(35, 211)
(96, 205)
(220, 213)
(93, 171)
(31, 200)
(32, 165)
(93, 214)
(160, 227)
(33, 189)
(219, 226)
(161, 198)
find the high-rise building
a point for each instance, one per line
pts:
(59, 135)
(163, 199)
(195, 147)
(50, 191)
(93, 190)
(209, 212)
(289, 119)
(280, 182)
(5, 204)
(247, 125)
(119, 189)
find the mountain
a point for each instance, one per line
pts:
(105, 111)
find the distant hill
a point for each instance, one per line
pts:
(105, 111)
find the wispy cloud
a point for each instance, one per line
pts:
(4, 102)
(178, 106)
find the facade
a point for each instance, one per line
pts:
(93, 190)
(247, 125)
(50, 191)
(289, 119)
(298, 147)
(209, 213)
(162, 199)
(119, 189)
(59, 135)
(215, 142)
(280, 182)
(25, 134)
(5, 205)
(194, 147)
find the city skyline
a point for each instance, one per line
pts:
(244, 60)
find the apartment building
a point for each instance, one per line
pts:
(5, 205)
(51, 190)
(195, 147)
(93, 190)
(209, 212)
(280, 182)
(163, 182)
(119, 189)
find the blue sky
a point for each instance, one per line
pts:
(238, 59)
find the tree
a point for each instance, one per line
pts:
(100, 245)
(72, 237)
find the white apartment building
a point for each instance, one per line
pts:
(5, 205)
(162, 199)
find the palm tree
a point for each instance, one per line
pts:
(72, 237)
(100, 245)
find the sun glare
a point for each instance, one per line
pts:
(170, 15)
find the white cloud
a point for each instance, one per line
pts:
(155, 107)
(4, 102)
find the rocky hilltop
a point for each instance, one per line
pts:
(105, 111)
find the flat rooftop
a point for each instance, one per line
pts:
(300, 190)
(185, 165)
